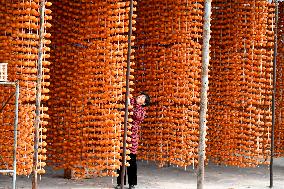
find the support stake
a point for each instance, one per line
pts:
(126, 94)
(203, 96)
(17, 93)
(273, 96)
(38, 94)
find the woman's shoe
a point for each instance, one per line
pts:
(117, 187)
(131, 186)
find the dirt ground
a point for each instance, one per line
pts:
(152, 177)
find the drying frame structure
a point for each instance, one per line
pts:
(17, 91)
(126, 118)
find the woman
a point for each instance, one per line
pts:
(139, 103)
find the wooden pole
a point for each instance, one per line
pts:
(126, 94)
(17, 93)
(273, 96)
(203, 96)
(38, 94)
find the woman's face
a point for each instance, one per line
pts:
(141, 99)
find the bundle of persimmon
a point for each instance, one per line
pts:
(88, 86)
(21, 32)
(241, 67)
(168, 66)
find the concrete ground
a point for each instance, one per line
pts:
(152, 177)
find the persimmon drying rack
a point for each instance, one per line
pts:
(16, 115)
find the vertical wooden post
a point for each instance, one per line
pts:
(16, 119)
(126, 94)
(273, 95)
(68, 174)
(203, 96)
(38, 94)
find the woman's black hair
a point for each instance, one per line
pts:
(147, 99)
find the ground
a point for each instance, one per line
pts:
(152, 177)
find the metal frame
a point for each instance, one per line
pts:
(17, 92)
